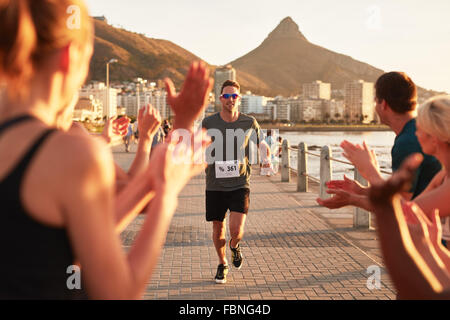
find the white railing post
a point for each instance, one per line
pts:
(361, 218)
(285, 162)
(325, 171)
(302, 168)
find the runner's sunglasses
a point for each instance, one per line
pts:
(228, 95)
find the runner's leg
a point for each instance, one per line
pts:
(219, 233)
(237, 223)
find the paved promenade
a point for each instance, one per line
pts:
(292, 248)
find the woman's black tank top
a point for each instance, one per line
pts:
(35, 260)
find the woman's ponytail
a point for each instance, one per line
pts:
(18, 42)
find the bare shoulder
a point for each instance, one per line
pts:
(77, 154)
(439, 179)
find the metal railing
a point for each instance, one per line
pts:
(361, 218)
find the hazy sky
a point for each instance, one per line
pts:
(404, 35)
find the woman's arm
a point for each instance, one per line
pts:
(415, 274)
(344, 198)
(140, 190)
(87, 203)
(435, 199)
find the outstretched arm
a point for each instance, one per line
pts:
(346, 192)
(435, 196)
(87, 206)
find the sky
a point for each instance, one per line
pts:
(393, 35)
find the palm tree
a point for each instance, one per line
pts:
(347, 117)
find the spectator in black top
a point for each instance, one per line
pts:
(56, 188)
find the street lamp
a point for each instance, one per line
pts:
(107, 85)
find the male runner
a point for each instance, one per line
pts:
(228, 174)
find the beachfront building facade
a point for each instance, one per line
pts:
(88, 109)
(221, 75)
(253, 104)
(333, 110)
(281, 109)
(311, 110)
(133, 101)
(359, 102)
(100, 92)
(316, 90)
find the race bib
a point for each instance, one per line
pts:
(227, 169)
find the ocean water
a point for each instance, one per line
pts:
(380, 141)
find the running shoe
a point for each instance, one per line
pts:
(221, 275)
(236, 256)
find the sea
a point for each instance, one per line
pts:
(379, 141)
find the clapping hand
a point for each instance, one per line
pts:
(174, 163)
(340, 199)
(363, 159)
(192, 99)
(115, 127)
(345, 192)
(427, 233)
(347, 185)
(149, 120)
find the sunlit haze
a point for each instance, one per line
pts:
(401, 35)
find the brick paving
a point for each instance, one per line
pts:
(292, 248)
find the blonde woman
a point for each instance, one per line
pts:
(433, 133)
(56, 188)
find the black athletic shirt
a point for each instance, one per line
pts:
(34, 258)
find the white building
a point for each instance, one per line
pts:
(312, 109)
(129, 102)
(334, 109)
(253, 104)
(159, 101)
(99, 91)
(295, 106)
(157, 98)
(359, 101)
(281, 109)
(221, 75)
(317, 90)
(88, 108)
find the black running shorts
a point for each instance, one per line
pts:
(218, 203)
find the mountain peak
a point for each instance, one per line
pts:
(287, 29)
